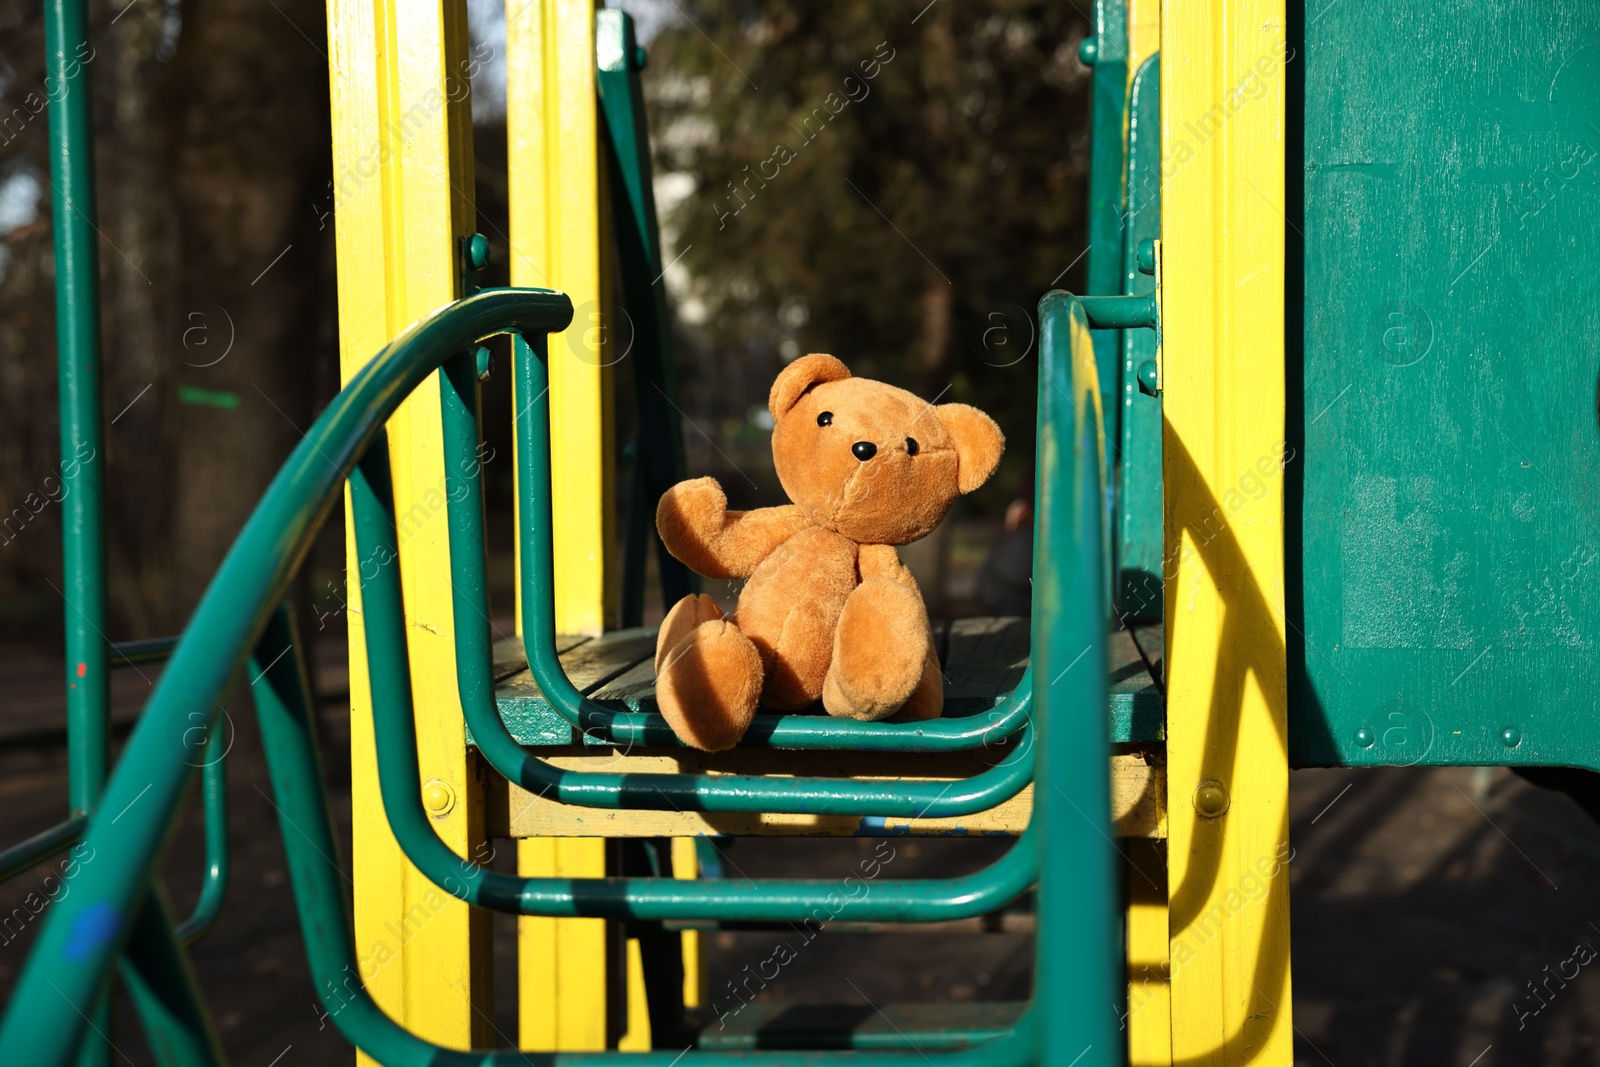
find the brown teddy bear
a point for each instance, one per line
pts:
(828, 610)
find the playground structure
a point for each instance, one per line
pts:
(1336, 472)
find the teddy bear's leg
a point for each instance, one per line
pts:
(708, 675)
(927, 700)
(880, 651)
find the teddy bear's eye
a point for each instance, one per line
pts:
(825, 419)
(911, 446)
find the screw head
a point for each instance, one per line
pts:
(1511, 737)
(1366, 738)
(1146, 256)
(483, 359)
(1088, 51)
(478, 251)
(1149, 378)
(1211, 799)
(438, 797)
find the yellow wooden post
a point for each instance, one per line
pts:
(552, 125)
(1223, 272)
(402, 157)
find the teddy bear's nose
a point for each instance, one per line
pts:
(864, 450)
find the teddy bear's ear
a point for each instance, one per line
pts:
(978, 440)
(799, 376)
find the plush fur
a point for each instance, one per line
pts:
(828, 611)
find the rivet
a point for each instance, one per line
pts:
(478, 251)
(1211, 799)
(438, 797)
(484, 359)
(1149, 378)
(1511, 737)
(1088, 51)
(641, 57)
(1366, 738)
(1147, 256)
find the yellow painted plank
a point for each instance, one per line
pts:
(562, 964)
(637, 1036)
(1137, 802)
(1144, 34)
(555, 207)
(1223, 275)
(1148, 1018)
(553, 158)
(686, 864)
(401, 142)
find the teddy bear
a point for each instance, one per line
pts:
(827, 611)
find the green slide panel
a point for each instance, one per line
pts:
(1443, 510)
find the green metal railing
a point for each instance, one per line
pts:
(117, 911)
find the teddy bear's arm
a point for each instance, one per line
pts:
(882, 561)
(697, 528)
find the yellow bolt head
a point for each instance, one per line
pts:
(1211, 799)
(438, 797)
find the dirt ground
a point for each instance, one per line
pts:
(1428, 906)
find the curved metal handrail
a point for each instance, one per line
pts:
(536, 548)
(83, 933)
(683, 792)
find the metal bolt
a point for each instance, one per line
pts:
(477, 251)
(485, 363)
(640, 57)
(1088, 51)
(1365, 737)
(1149, 378)
(1211, 799)
(1511, 737)
(1147, 256)
(438, 797)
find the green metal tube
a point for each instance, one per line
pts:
(83, 556)
(288, 734)
(1078, 937)
(458, 387)
(537, 556)
(394, 730)
(82, 933)
(35, 850)
(1121, 312)
(148, 650)
(161, 983)
(214, 781)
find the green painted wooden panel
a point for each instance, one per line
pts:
(1445, 604)
(1137, 543)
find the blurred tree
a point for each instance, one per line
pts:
(212, 150)
(897, 184)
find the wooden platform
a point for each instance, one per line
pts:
(984, 659)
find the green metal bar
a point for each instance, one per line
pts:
(288, 733)
(1121, 312)
(83, 932)
(536, 547)
(40, 847)
(72, 211)
(1077, 950)
(214, 781)
(394, 729)
(148, 650)
(83, 557)
(162, 985)
(658, 450)
(459, 391)
(1108, 53)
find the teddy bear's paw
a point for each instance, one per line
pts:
(880, 651)
(696, 504)
(685, 615)
(708, 686)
